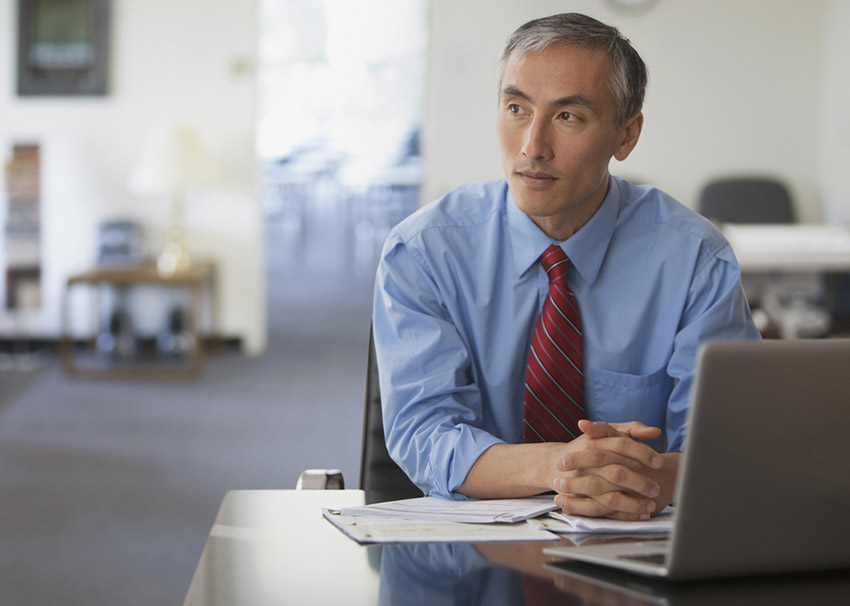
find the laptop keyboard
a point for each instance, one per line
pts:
(649, 558)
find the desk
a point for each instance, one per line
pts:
(790, 248)
(802, 264)
(199, 276)
(274, 547)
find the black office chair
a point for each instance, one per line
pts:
(746, 200)
(380, 476)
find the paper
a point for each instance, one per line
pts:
(479, 511)
(365, 530)
(560, 522)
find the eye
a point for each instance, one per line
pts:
(568, 116)
(515, 109)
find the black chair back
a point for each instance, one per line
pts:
(380, 476)
(746, 200)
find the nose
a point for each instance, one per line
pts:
(537, 145)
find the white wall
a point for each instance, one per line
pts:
(735, 87)
(835, 122)
(184, 61)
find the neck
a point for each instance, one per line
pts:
(562, 226)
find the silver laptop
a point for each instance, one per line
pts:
(764, 484)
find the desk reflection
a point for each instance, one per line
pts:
(444, 574)
(499, 574)
(514, 574)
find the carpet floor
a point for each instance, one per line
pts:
(109, 489)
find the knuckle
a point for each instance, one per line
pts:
(594, 485)
(618, 474)
(597, 457)
(620, 502)
(614, 500)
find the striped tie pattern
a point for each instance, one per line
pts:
(553, 402)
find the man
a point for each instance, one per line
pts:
(462, 282)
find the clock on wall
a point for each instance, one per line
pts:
(631, 6)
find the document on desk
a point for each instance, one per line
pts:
(560, 522)
(368, 530)
(433, 520)
(475, 511)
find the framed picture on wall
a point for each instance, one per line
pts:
(63, 47)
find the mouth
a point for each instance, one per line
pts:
(535, 179)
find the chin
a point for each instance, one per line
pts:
(534, 203)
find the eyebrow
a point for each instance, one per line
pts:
(513, 91)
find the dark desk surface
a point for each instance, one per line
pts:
(274, 547)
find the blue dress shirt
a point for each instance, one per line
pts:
(459, 289)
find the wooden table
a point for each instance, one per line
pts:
(198, 279)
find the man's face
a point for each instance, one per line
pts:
(557, 132)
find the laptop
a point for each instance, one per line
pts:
(764, 482)
(612, 586)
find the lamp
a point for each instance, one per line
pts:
(173, 161)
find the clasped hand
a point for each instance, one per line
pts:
(608, 472)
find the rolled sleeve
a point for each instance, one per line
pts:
(432, 408)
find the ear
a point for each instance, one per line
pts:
(630, 133)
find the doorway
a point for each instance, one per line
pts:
(340, 90)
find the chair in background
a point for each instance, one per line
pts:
(791, 304)
(746, 200)
(380, 476)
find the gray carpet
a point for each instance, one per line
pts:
(108, 489)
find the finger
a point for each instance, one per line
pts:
(587, 506)
(637, 430)
(608, 479)
(626, 503)
(582, 506)
(607, 451)
(632, 429)
(598, 429)
(594, 458)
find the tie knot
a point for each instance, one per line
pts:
(555, 262)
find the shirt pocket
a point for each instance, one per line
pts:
(618, 397)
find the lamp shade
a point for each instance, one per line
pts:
(172, 159)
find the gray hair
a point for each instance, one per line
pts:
(628, 79)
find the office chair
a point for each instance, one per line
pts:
(746, 200)
(792, 302)
(380, 476)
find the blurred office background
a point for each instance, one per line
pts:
(323, 123)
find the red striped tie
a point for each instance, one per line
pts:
(553, 381)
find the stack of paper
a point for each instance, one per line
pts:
(560, 522)
(433, 520)
(480, 511)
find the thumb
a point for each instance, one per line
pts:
(637, 430)
(598, 429)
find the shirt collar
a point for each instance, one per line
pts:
(586, 248)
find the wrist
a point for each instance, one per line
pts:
(512, 470)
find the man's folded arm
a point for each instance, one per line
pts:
(432, 409)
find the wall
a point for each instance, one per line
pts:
(186, 61)
(734, 87)
(835, 121)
